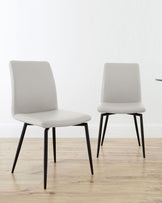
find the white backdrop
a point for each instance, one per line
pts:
(77, 37)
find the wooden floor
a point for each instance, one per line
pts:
(121, 175)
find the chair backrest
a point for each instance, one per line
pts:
(33, 87)
(121, 83)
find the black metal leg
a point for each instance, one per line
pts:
(99, 135)
(19, 146)
(104, 131)
(54, 143)
(89, 147)
(136, 127)
(142, 135)
(45, 156)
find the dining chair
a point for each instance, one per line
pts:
(121, 94)
(34, 102)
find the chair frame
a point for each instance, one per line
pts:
(85, 125)
(100, 134)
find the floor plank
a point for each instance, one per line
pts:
(120, 174)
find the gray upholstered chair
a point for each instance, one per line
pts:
(121, 94)
(35, 103)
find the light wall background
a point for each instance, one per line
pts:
(77, 37)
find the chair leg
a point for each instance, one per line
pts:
(88, 147)
(45, 155)
(99, 135)
(104, 131)
(142, 134)
(19, 146)
(136, 127)
(54, 143)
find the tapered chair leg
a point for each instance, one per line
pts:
(104, 131)
(19, 146)
(99, 135)
(45, 155)
(54, 143)
(89, 147)
(136, 127)
(142, 135)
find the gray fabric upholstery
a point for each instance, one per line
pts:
(55, 118)
(34, 98)
(121, 89)
(121, 107)
(33, 87)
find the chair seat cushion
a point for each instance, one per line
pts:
(54, 118)
(121, 108)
